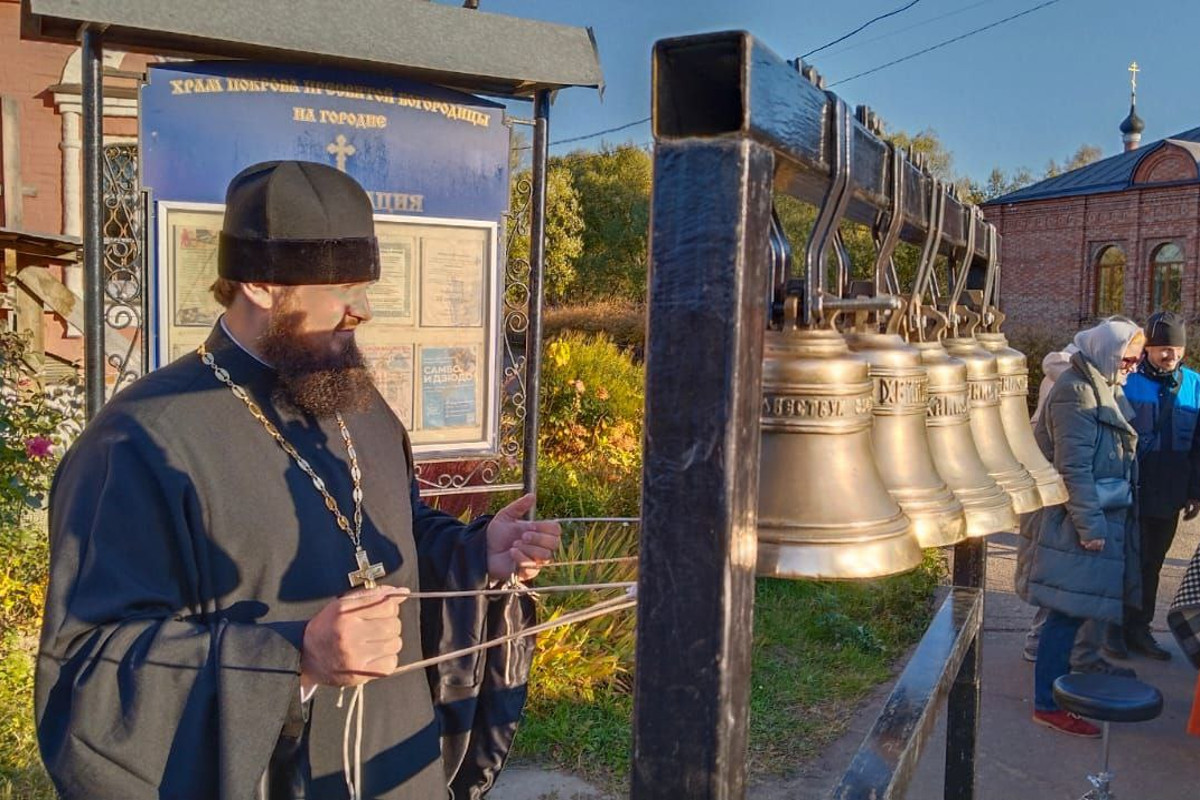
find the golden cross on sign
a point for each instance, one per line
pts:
(1133, 71)
(366, 573)
(341, 149)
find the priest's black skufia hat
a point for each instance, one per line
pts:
(295, 223)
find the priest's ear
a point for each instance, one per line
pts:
(263, 296)
(259, 295)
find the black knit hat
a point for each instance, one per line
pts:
(297, 222)
(1166, 329)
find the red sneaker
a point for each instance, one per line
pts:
(1067, 722)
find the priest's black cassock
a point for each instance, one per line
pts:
(188, 552)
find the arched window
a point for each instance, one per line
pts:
(1110, 281)
(1166, 278)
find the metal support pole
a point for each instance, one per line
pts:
(709, 265)
(962, 711)
(93, 221)
(537, 289)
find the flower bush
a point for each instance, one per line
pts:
(36, 426)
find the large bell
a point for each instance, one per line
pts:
(902, 455)
(986, 506)
(983, 391)
(1014, 414)
(823, 511)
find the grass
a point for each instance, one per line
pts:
(819, 649)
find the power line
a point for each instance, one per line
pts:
(862, 27)
(601, 133)
(942, 44)
(905, 29)
(574, 139)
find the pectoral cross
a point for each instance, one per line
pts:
(366, 573)
(341, 149)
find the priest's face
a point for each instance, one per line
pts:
(310, 342)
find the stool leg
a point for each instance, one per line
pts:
(1102, 781)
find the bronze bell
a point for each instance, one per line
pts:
(983, 391)
(1014, 414)
(901, 397)
(986, 506)
(823, 511)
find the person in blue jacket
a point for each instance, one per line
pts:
(1165, 396)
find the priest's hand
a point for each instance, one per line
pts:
(518, 546)
(353, 639)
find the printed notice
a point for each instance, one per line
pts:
(392, 296)
(195, 268)
(392, 370)
(449, 381)
(452, 280)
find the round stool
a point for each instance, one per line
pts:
(1107, 698)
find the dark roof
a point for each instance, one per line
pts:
(1112, 174)
(458, 47)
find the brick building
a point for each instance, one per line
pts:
(41, 283)
(1120, 235)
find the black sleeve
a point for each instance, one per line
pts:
(140, 693)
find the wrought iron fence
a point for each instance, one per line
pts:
(124, 272)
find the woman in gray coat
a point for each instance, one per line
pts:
(1081, 561)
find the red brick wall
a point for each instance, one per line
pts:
(26, 70)
(1049, 248)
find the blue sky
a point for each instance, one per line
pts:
(1017, 95)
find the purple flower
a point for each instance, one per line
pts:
(37, 446)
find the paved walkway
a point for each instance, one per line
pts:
(1153, 760)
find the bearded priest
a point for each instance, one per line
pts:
(234, 536)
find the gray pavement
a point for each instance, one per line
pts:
(1153, 760)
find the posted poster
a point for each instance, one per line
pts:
(452, 273)
(392, 370)
(449, 385)
(194, 260)
(392, 296)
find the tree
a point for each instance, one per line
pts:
(998, 182)
(614, 189)
(1086, 154)
(564, 229)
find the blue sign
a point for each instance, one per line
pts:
(417, 149)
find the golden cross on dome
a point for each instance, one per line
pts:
(341, 149)
(1133, 71)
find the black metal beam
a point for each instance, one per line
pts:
(537, 289)
(962, 711)
(884, 764)
(709, 259)
(729, 84)
(93, 221)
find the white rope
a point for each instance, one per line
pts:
(599, 609)
(352, 772)
(520, 590)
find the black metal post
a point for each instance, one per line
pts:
(962, 709)
(537, 289)
(93, 221)
(707, 313)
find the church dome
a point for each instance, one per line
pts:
(1133, 123)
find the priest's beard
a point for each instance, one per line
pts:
(314, 376)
